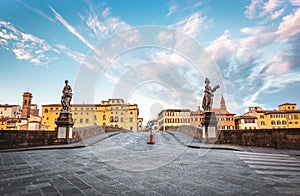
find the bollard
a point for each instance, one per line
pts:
(150, 139)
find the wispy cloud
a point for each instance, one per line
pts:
(38, 11)
(25, 46)
(103, 24)
(260, 8)
(76, 56)
(172, 8)
(193, 24)
(289, 26)
(70, 28)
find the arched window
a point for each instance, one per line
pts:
(278, 122)
(284, 122)
(273, 122)
(46, 110)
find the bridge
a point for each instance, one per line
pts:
(122, 163)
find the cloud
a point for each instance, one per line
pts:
(70, 28)
(192, 25)
(104, 24)
(289, 26)
(106, 12)
(170, 59)
(172, 8)
(295, 2)
(76, 56)
(252, 9)
(222, 47)
(260, 8)
(277, 14)
(25, 46)
(39, 12)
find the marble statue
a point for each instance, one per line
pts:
(66, 97)
(207, 101)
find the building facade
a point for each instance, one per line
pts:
(287, 116)
(12, 117)
(173, 118)
(10, 111)
(246, 122)
(113, 112)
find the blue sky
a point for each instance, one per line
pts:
(253, 46)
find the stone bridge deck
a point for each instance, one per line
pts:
(124, 164)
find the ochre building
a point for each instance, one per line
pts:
(113, 112)
(287, 116)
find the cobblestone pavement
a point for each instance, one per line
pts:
(125, 165)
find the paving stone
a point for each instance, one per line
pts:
(125, 165)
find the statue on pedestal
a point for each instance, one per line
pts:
(207, 101)
(66, 97)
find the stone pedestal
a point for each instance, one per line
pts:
(209, 131)
(64, 125)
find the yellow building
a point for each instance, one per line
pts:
(287, 116)
(173, 118)
(3, 123)
(113, 112)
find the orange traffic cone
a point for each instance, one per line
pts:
(150, 139)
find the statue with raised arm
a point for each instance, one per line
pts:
(66, 97)
(207, 101)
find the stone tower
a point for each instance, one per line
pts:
(222, 104)
(26, 104)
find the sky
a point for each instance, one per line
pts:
(155, 53)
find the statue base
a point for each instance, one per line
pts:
(210, 132)
(64, 125)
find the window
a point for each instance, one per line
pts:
(278, 122)
(87, 120)
(122, 119)
(51, 108)
(262, 123)
(130, 112)
(111, 119)
(47, 118)
(104, 117)
(46, 111)
(116, 119)
(290, 122)
(290, 116)
(131, 128)
(284, 122)
(95, 117)
(273, 122)
(296, 122)
(81, 120)
(261, 116)
(296, 116)
(81, 108)
(131, 119)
